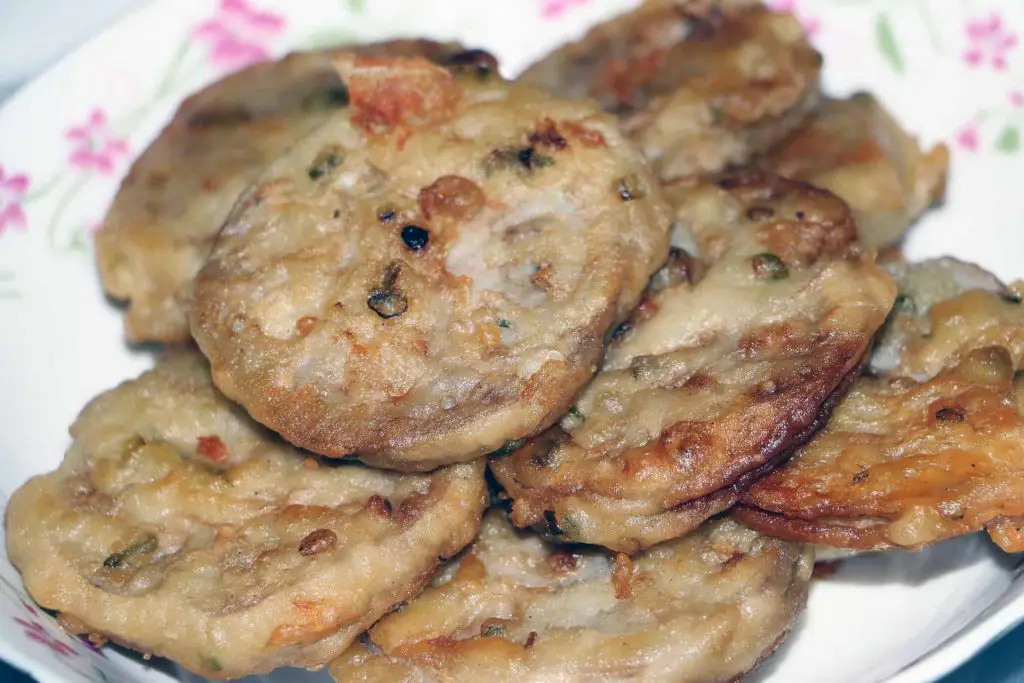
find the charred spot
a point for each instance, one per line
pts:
(620, 332)
(415, 237)
(631, 187)
(386, 215)
(951, 414)
(860, 476)
(1011, 297)
(319, 541)
(452, 196)
(769, 267)
(825, 569)
(800, 215)
(388, 301)
(379, 505)
(544, 458)
(728, 183)
(530, 640)
(702, 26)
(700, 380)
(226, 116)
(551, 522)
(520, 158)
(760, 213)
(337, 214)
(212, 448)
(547, 135)
(327, 160)
(480, 62)
(508, 447)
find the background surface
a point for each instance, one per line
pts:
(35, 33)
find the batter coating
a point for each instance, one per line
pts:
(699, 85)
(161, 225)
(932, 450)
(178, 527)
(433, 277)
(856, 149)
(733, 358)
(706, 608)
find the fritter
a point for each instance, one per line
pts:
(699, 85)
(432, 277)
(178, 527)
(855, 148)
(161, 225)
(746, 339)
(709, 608)
(931, 450)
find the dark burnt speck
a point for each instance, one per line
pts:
(950, 414)
(631, 187)
(388, 301)
(415, 237)
(386, 215)
(1010, 297)
(482, 62)
(552, 523)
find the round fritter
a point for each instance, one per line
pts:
(931, 451)
(699, 85)
(434, 276)
(178, 527)
(734, 357)
(709, 608)
(163, 220)
(856, 149)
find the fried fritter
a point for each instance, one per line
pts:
(178, 527)
(734, 357)
(856, 149)
(709, 608)
(163, 220)
(700, 85)
(932, 450)
(434, 276)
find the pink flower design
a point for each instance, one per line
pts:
(1016, 98)
(96, 146)
(37, 632)
(968, 137)
(12, 190)
(553, 9)
(811, 24)
(238, 35)
(988, 41)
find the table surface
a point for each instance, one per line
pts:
(29, 42)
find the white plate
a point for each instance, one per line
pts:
(948, 69)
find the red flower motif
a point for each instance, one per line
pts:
(988, 41)
(553, 9)
(239, 34)
(811, 24)
(12, 190)
(37, 632)
(96, 147)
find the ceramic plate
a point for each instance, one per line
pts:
(948, 69)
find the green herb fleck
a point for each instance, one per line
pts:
(885, 37)
(523, 159)
(324, 162)
(504, 324)
(213, 664)
(1008, 140)
(577, 413)
(905, 304)
(493, 631)
(768, 266)
(1010, 297)
(143, 547)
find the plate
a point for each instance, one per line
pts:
(948, 70)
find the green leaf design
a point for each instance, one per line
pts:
(1009, 140)
(886, 39)
(356, 6)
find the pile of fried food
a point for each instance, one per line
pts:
(650, 287)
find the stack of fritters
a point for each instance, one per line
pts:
(644, 312)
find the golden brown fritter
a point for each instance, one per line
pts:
(177, 526)
(856, 149)
(933, 450)
(434, 276)
(699, 84)
(734, 357)
(163, 220)
(707, 608)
